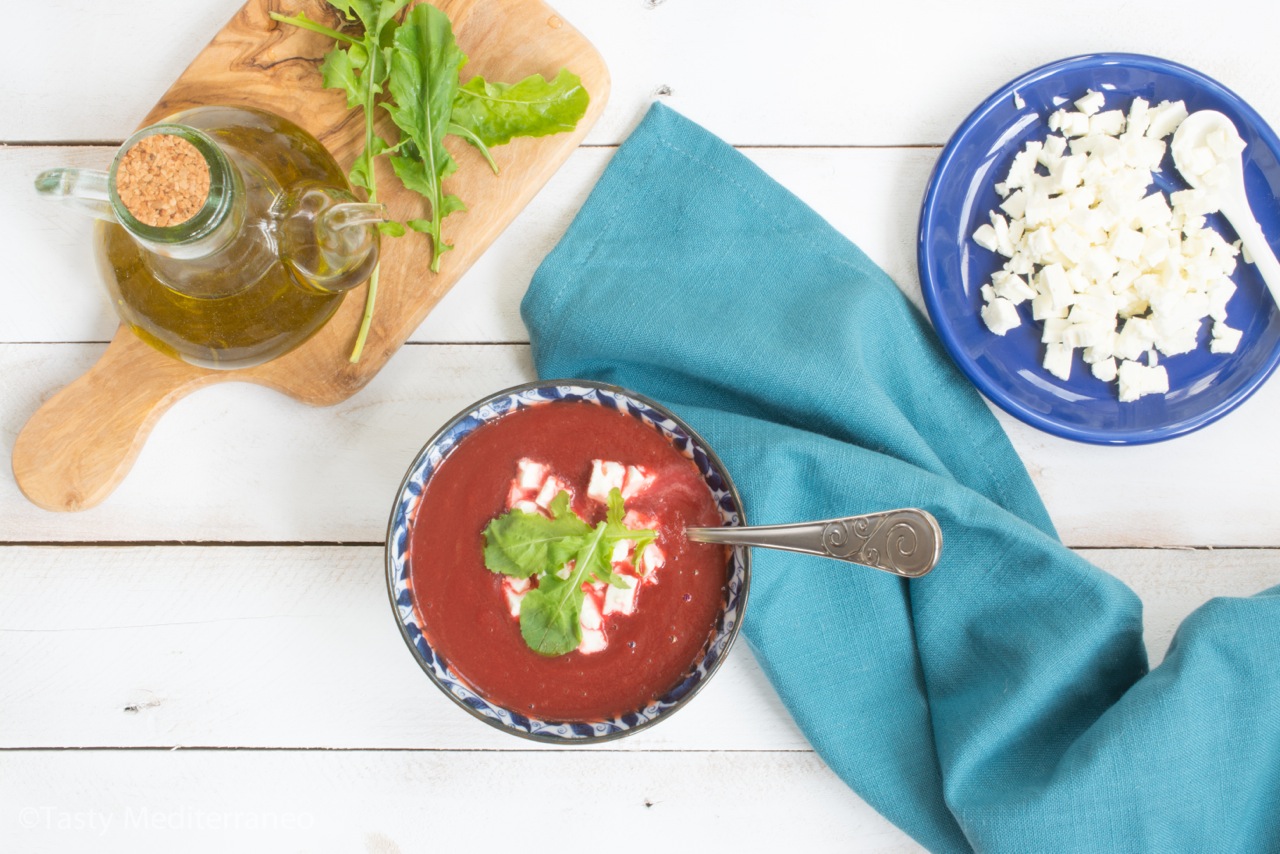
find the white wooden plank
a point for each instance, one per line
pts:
(297, 647)
(804, 73)
(238, 462)
(265, 647)
(390, 802)
(1215, 487)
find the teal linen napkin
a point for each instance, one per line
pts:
(1001, 703)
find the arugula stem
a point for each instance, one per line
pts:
(470, 136)
(301, 21)
(436, 253)
(485, 97)
(367, 320)
(370, 78)
(580, 568)
(579, 573)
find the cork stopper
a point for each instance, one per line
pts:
(163, 180)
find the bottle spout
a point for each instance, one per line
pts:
(82, 189)
(352, 215)
(328, 239)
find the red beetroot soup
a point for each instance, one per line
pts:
(464, 610)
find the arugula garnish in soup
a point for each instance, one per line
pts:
(566, 556)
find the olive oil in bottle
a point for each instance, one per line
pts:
(269, 237)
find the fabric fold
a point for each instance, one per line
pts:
(1000, 703)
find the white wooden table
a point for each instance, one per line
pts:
(207, 661)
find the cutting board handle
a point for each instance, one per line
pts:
(82, 442)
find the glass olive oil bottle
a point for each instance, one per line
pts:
(261, 264)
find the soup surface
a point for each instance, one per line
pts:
(467, 614)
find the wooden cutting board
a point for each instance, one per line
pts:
(81, 443)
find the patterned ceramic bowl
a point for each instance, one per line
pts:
(399, 560)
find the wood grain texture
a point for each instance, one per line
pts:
(256, 62)
(81, 443)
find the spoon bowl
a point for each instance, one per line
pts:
(1206, 151)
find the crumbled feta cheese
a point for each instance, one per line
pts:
(1091, 102)
(592, 622)
(534, 488)
(529, 474)
(606, 476)
(1000, 315)
(1137, 379)
(620, 600)
(1225, 339)
(551, 487)
(1105, 370)
(1109, 264)
(1057, 360)
(637, 481)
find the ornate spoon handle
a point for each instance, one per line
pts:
(904, 542)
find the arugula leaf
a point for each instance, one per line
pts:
(525, 545)
(553, 623)
(339, 72)
(418, 61)
(522, 544)
(469, 136)
(617, 530)
(495, 113)
(425, 61)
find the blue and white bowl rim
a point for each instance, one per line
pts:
(684, 439)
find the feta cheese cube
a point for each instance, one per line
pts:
(1165, 118)
(1057, 361)
(552, 487)
(1137, 380)
(1074, 124)
(1105, 369)
(621, 600)
(1000, 315)
(1110, 123)
(637, 481)
(1225, 339)
(1091, 102)
(530, 474)
(1126, 245)
(1016, 204)
(985, 236)
(606, 476)
(1012, 288)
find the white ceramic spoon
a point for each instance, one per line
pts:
(1223, 180)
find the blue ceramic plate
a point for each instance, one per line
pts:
(400, 559)
(1202, 386)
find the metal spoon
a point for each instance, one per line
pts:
(904, 542)
(1225, 186)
